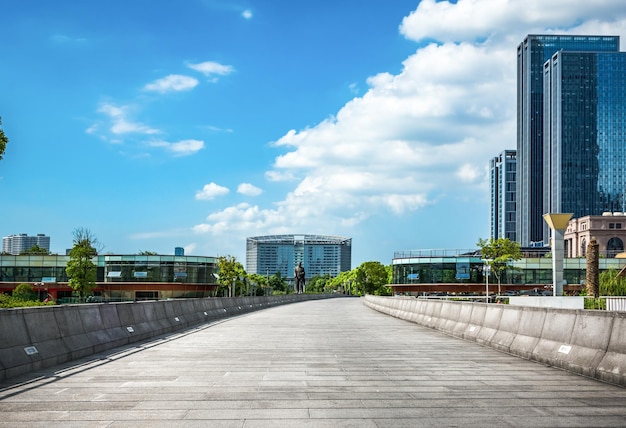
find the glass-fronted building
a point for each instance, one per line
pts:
(585, 133)
(319, 255)
(462, 271)
(17, 244)
(118, 277)
(502, 175)
(532, 54)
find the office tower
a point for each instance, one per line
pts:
(179, 251)
(502, 172)
(16, 244)
(585, 133)
(319, 254)
(532, 54)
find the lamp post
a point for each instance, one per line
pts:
(487, 270)
(558, 224)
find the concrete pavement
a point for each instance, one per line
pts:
(326, 363)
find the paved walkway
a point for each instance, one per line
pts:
(330, 363)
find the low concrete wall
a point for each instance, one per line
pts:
(40, 337)
(590, 343)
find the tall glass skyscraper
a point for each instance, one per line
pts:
(585, 133)
(319, 254)
(502, 174)
(532, 54)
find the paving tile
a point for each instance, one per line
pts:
(330, 363)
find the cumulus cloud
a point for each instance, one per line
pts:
(180, 148)
(424, 134)
(211, 191)
(249, 189)
(211, 69)
(173, 82)
(121, 123)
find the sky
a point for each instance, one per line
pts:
(157, 124)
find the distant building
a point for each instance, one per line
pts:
(179, 251)
(17, 244)
(609, 230)
(502, 174)
(584, 133)
(118, 277)
(319, 254)
(532, 54)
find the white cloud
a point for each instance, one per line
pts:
(247, 14)
(420, 137)
(249, 189)
(211, 68)
(173, 82)
(120, 121)
(180, 148)
(211, 191)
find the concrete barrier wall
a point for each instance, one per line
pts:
(40, 337)
(589, 343)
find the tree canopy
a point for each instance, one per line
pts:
(231, 274)
(3, 141)
(498, 254)
(81, 270)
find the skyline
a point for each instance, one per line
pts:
(197, 125)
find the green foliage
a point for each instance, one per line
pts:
(318, 284)
(231, 273)
(278, 284)
(36, 250)
(24, 292)
(612, 283)
(148, 253)
(7, 301)
(3, 141)
(260, 284)
(80, 269)
(499, 253)
(373, 278)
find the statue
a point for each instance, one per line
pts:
(298, 274)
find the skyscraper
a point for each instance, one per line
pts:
(319, 254)
(532, 54)
(502, 174)
(16, 244)
(585, 133)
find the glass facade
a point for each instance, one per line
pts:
(503, 195)
(424, 268)
(532, 54)
(585, 135)
(112, 268)
(319, 254)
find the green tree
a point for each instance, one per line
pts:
(80, 269)
(318, 284)
(499, 253)
(24, 292)
(148, 253)
(3, 141)
(260, 284)
(278, 283)
(372, 278)
(36, 250)
(612, 283)
(231, 274)
(345, 281)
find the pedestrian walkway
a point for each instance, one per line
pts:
(325, 363)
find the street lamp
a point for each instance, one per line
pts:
(487, 270)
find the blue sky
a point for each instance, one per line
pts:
(157, 124)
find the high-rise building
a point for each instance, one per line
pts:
(585, 133)
(319, 254)
(16, 244)
(502, 174)
(532, 54)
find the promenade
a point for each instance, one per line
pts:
(324, 363)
